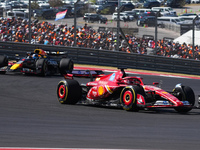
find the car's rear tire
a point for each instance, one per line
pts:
(186, 94)
(66, 65)
(41, 64)
(69, 92)
(3, 62)
(128, 97)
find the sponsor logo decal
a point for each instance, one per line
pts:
(108, 89)
(140, 99)
(165, 92)
(101, 90)
(160, 102)
(185, 103)
(112, 77)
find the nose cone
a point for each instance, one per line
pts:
(15, 66)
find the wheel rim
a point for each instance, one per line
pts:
(127, 98)
(62, 91)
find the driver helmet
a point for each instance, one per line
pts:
(35, 56)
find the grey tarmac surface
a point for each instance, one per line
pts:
(31, 116)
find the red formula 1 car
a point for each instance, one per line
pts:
(130, 93)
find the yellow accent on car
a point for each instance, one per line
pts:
(66, 92)
(100, 90)
(134, 97)
(15, 66)
(164, 92)
(109, 90)
(38, 51)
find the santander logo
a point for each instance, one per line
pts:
(140, 99)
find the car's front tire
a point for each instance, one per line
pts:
(186, 94)
(69, 92)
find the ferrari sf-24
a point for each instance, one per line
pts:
(129, 92)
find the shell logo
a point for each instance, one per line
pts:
(165, 92)
(101, 90)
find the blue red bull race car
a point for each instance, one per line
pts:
(43, 63)
(129, 92)
(38, 62)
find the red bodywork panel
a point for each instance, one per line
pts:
(104, 86)
(176, 102)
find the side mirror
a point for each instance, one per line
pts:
(155, 83)
(119, 79)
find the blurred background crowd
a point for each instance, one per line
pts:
(16, 29)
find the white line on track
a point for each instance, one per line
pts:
(31, 148)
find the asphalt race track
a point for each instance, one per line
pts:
(31, 116)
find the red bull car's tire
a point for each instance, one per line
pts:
(66, 65)
(3, 62)
(41, 65)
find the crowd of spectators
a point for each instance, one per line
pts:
(17, 30)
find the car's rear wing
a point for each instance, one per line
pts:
(55, 53)
(85, 74)
(50, 53)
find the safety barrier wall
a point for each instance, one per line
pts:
(110, 58)
(172, 27)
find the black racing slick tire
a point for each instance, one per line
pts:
(41, 66)
(66, 65)
(186, 94)
(3, 62)
(128, 97)
(69, 91)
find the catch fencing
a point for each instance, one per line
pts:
(110, 58)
